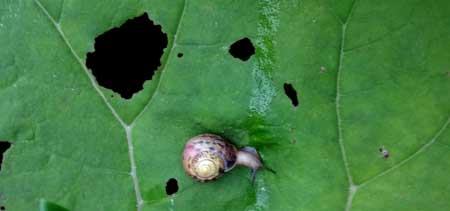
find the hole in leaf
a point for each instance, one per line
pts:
(242, 49)
(2, 208)
(171, 186)
(290, 91)
(4, 145)
(179, 55)
(125, 57)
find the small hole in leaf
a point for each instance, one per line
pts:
(384, 152)
(179, 55)
(2, 208)
(4, 145)
(290, 91)
(242, 49)
(171, 186)
(125, 57)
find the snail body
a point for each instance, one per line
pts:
(207, 157)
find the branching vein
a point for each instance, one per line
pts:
(128, 129)
(174, 44)
(90, 76)
(352, 187)
(412, 156)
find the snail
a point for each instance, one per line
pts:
(207, 157)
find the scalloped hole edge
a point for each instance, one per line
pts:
(4, 146)
(242, 49)
(171, 186)
(126, 57)
(291, 93)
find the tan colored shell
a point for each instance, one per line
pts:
(206, 157)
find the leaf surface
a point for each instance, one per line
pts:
(368, 75)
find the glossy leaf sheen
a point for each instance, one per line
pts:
(370, 74)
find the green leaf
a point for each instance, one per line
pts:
(369, 74)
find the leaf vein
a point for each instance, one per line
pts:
(174, 44)
(90, 76)
(352, 187)
(128, 129)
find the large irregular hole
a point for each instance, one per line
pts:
(290, 91)
(4, 145)
(242, 49)
(126, 57)
(171, 186)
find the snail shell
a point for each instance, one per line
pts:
(207, 157)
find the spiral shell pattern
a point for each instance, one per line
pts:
(206, 157)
